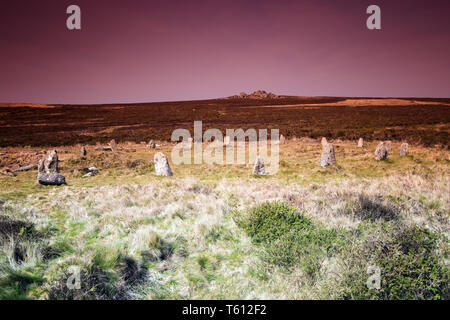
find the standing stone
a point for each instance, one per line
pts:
(49, 163)
(161, 164)
(388, 145)
(83, 152)
(259, 168)
(48, 170)
(113, 146)
(324, 141)
(151, 144)
(381, 152)
(404, 149)
(328, 158)
(360, 143)
(282, 139)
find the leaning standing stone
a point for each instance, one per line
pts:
(381, 152)
(161, 164)
(324, 141)
(259, 168)
(404, 149)
(360, 143)
(328, 158)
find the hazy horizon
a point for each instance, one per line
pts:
(161, 51)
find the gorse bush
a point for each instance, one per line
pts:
(290, 238)
(410, 268)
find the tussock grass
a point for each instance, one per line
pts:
(213, 232)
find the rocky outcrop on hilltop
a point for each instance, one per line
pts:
(259, 94)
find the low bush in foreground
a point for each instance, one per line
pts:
(290, 238)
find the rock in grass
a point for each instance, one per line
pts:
(25, 168)
(51, 179)
(404, 149)
(259, 168)
(328, 157)
(48, 170)
(92, 171)
(381, 152)
(360, 143)
(161, 164)
(282, 139)
(324, 141)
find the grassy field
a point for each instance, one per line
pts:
(218, 232)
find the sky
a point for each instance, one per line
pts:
(167, 50)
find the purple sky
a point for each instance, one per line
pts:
(146, 50)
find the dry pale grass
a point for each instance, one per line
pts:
(183, 230)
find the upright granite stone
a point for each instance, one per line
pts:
(161, 164)
(282, 139)
(360, 143)
(404, 149)
(151, 144)
(328, 158)
(83, 152)
(324, 141)
(49, 163)
(259, 168)
(113, 146)
(388, 145)
(48, 170)
(381, 152)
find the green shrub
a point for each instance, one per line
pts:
(290, 238)
(409, 266)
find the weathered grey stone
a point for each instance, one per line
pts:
(161, 164)
(282, 139)
(381, 152)
(226, 140)
(48, 170)
(49, 163)
(259, 168)
(388, 145)
(103, 148)
(324, 141)
(113, 146)
(25, 168)
(360, 143)
(151, 144)
(404, 149)
(92, 171)
(51, 179)
(328, 157)
(83, 152)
